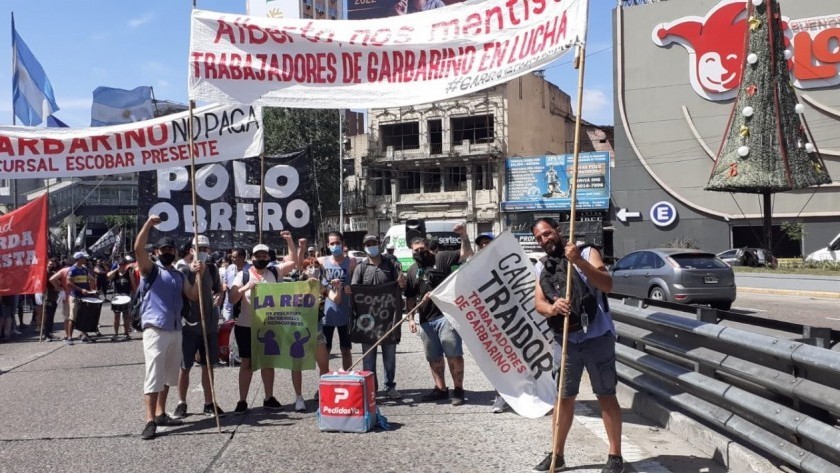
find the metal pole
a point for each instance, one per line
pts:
(341, 170)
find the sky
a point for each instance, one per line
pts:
(84, 44)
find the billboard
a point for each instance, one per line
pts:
(367, 9)
(542, 182)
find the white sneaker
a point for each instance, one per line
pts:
(300, 404)
(499, 405)
(394, 394)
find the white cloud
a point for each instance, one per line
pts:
(597, 107)
(139, 21)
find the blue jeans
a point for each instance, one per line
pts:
(389, 359)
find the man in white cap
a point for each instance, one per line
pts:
(243, 283)
(79, 285)
(389, 253)
(192, 340)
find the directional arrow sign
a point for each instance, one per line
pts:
(623, 214)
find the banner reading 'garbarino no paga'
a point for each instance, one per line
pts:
(396, 61)
(219, 133)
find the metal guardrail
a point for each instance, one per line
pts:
(780, 396)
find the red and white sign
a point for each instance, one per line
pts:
(220, 133)
(715, 45)
(404, 60)
(23, 249)
(490, 302)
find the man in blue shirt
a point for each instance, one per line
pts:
(161, 323)
(78, 283)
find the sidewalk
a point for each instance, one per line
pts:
(78, 408)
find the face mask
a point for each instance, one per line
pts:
(424, 258)
(166, 258)
(373, 251)
(313, 273)
(336, 250)
(260, 263)
(203, 256)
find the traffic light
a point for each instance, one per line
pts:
(414, 228)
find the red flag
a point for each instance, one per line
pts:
(23, 249)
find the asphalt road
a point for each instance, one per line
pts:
(78, 408)
(806, 310)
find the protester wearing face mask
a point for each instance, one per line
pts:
(337, 270)
(160, 310)
(439, 337)
(375, 270)
(243, 284)
(192, 341)
(312, 270)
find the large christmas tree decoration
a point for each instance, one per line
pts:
(767, 146)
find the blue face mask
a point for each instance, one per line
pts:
(336, 250)
(373, 251)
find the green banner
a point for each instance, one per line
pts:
(284, 325)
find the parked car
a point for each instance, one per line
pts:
(675, 275)
(753, 257)
(829, 253)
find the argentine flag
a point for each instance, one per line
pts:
(116, 106)
(32, 93)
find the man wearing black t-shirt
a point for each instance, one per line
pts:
(439, 337)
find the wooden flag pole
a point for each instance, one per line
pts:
(199, 276)
(572, 217)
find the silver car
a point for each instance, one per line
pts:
(755, 257)
(675, 275)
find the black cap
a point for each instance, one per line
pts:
(166, 241)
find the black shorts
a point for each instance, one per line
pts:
(243, 340)
(192, 343)
(343, 336)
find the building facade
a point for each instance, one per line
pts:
(446, 160)
(677, 69)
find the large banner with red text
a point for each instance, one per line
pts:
(219, 133)
(432, 55)
(23, 249)
(490, 302)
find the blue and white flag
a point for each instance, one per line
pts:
(32, 93)
(117, 106)
(54, 122)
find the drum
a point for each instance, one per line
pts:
(225, 339)
(120, 303)
(87, 319)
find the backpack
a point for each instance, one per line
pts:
(246, 276)
(138, 298)
(583, 300)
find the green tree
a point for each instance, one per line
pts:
(291, 129)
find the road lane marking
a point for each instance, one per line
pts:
(832, 318)
(749, 309)
(632, 454)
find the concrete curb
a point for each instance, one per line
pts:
(790, 292)
(736, 457)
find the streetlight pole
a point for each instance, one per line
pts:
(341, 170)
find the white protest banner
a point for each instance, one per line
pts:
(401, 60)
(220, 133)
(490, 302)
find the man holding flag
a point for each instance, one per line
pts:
(591, 338)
